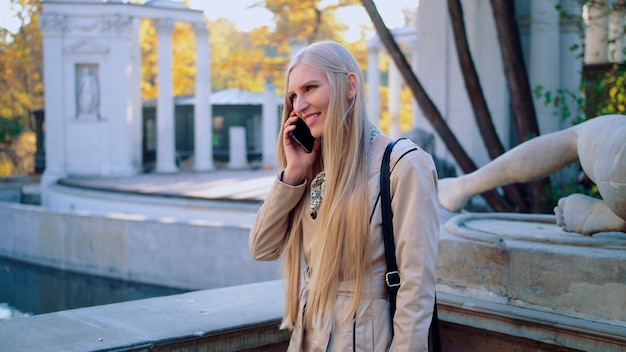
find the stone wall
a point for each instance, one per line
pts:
(164, 252)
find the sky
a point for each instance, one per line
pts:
(7, 20)
(248, 18)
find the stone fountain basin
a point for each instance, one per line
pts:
(526, 260)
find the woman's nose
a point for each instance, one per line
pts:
(299, 105)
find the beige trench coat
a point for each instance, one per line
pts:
(416, 228)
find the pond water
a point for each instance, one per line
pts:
(27, 289)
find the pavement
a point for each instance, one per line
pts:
(249, 185)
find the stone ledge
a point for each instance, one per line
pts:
(246, 318)
(497, 228)
(545, 327)
(226, 319)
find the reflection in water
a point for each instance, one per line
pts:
(27, 289)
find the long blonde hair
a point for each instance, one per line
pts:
(341, 247)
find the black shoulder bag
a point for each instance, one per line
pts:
(392, 278)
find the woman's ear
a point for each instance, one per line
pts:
(353, 85)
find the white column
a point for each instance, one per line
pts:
(570, 68)
(203, 119)
(137, 108)
(120, 96)
(373, 80)
(395, 89)
(270, 125)
(571, 62)
(166, 148)
(53, 27)
(544, 58)
(616, 34)
(237, 148)
(435, 66)
(596, 37)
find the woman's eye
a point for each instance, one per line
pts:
(310, 88)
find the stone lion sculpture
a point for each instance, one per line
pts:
(600, 146)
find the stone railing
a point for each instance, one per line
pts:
(234, 318)
(247, 317)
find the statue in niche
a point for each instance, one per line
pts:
(600, 146)
(87, 95)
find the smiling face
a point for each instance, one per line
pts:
(309, 92)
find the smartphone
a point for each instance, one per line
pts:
(302, 135)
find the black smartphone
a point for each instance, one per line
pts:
(302, 135)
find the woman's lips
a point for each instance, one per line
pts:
(310, 119)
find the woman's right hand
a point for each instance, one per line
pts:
(299, 162)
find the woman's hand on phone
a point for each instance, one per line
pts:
(299, 162)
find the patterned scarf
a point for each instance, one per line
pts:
(317, 186)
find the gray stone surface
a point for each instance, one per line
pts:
(248, 185)
(148, 321)
(528, 261)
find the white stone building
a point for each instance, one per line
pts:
(92, 75)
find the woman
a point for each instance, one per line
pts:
(323, 217)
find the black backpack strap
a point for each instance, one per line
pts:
(392, 277)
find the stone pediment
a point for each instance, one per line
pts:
(87, 47)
